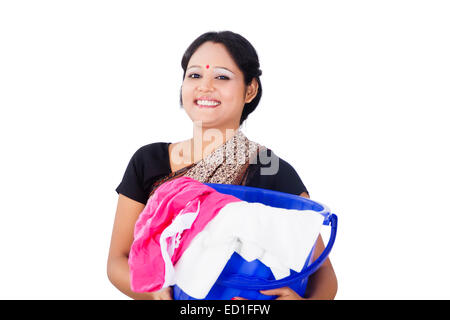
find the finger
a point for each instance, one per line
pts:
(166, 297)
(276, 292)
(170, 294)
(167, 294)
(290, 297)
(238, 298)
(283, 298)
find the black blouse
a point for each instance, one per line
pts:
(151, 162)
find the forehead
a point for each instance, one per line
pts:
(210, 53)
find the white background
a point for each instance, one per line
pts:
(355, 98)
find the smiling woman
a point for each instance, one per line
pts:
(235, 59)
(221, 87)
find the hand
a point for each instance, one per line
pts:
(284, 293)
(163, 294)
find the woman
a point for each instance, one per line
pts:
(221, 87)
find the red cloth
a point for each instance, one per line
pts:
(149, 271)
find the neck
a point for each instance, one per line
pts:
(206, 140)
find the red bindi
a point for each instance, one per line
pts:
(207, 66)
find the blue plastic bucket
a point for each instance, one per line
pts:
(244, 279)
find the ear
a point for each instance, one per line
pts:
(251, 91)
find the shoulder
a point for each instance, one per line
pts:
(268, 159)
(147, 164)
(151, 160)
(156, 150)
(286, 170)
(288, 179)
(275, 173)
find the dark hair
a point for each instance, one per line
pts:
(243, 54)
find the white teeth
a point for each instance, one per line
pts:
(207, 103)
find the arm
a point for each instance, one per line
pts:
(322, 284)
(118, 271)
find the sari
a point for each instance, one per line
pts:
(227, 164)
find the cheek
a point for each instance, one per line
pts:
(233, 93)
(186, 90)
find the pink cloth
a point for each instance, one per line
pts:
(151, 266)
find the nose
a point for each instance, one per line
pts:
(205, 84)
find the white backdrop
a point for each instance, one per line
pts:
(355, 98)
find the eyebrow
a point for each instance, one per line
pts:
(197, 66)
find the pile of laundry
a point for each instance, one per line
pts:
(188, 231)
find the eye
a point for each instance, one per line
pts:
(196, 76)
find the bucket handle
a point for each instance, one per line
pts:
(250, 283)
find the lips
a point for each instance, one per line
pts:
(206, 98)
(206, 102)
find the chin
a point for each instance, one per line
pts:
(208, 122)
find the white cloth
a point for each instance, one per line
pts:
(280, 238)
(173, 231)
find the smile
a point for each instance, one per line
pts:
(207, 103)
